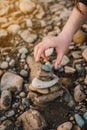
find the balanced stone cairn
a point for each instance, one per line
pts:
(45, 86)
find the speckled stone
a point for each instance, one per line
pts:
(6, 99)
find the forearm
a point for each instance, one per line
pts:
(74, 22)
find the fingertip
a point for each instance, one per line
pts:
(55, 66)
(37, 59)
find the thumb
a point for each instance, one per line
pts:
(59, 59)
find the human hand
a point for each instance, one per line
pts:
(60, 43)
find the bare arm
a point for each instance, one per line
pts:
(61, 42)
(75, 21)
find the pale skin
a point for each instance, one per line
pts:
(62, 41)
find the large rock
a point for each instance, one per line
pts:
(32, 120)
(11, 81)
(26, 6)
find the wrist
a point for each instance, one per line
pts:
(65, 37)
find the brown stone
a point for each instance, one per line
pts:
(32, 120)
(80, 37)
(67, 82)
